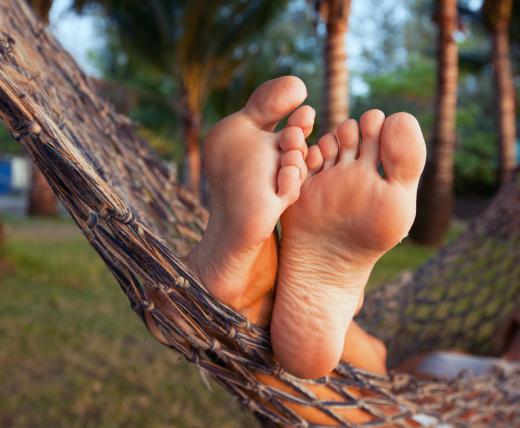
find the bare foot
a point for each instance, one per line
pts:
(346, 218)
(254, 174)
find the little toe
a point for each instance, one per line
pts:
(329, 150)
(293, 138)
(289, 184)
(303, 117)
(348, 137)
(274, 100)
(294, 158)
(314, 160)
(403, 150)
(371, 123)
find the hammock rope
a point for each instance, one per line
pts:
(141, 222)
(462, 297)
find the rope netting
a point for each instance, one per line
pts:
(141, 221)
(461, 298)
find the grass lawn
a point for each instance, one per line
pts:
(73, 354)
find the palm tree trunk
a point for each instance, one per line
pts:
(505, 98)
(42, 200)
(191, 126)
(435, 201)
(336, 92)
(41, 9)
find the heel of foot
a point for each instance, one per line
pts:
(309, 323)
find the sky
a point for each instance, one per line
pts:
(78, 34)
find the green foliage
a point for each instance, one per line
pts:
(290, 45)
(173, 56)
(200, 44)
(141, 91)
(150, 55)
(476, 157)
(264, 47)
(514, 33)
(409, 88)
(7, 143)
(404, 78)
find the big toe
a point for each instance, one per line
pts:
(274, 100)
(403, 150)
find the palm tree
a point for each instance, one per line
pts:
(199, 44)
(335, 108)
(41, 9)
(497, 14)
(42, 200)
(435, 200)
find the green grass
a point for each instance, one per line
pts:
(73, 354)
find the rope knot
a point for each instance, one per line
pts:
(262, 391)
(182, 282)
(92, 220)
(245, 323)
(106, 211)
(215, 346)
(125, 216)
(231, 333)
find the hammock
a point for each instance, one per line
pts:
(140, 221)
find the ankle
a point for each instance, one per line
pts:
(229, 273)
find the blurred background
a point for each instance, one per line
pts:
(71, 351)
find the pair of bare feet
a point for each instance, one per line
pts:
(338, 216)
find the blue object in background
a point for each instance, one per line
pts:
(5, 176)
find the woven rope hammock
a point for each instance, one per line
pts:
(140, 221)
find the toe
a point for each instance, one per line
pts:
(329, 149)
(293, 138)
(289, 184)
(274, 100)
(303, 117)
(348, 137)
(371, 124)
(403, 151)
(314, 160)
(294, 158)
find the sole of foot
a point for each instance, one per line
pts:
(254, 174)
(348, 215)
